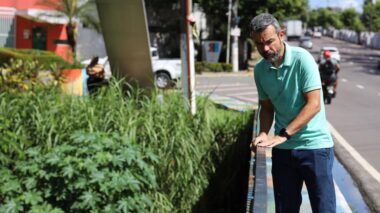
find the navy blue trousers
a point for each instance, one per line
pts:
(291, 168)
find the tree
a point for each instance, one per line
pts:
(163, 28)
(325, 18)
(281, 9)
(74, 10)
(216, 13)
(371, 17)
(350, 19)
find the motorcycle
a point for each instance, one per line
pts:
(328, 90)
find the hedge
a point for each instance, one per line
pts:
(118, 151)
(204, 66)
(45, 58)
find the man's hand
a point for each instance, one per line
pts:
(265, 141)
(259, 139)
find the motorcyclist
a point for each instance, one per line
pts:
(328, 69)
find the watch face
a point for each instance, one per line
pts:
(283, 133)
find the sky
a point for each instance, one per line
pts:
(357, 4)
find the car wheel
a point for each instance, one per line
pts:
(163, 80)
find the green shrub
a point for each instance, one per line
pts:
(20, 75)
(45, 58)
(45, 133)
(205, 66)
(101, 172)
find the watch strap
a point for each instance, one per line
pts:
(284, 133)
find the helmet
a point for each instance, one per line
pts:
(327, 54)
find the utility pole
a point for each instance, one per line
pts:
(187, 55)
(235, 33)
(229, 31)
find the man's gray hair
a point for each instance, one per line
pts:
(262, 21)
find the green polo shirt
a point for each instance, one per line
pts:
(285, 87)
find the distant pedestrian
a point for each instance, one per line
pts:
(289, 88)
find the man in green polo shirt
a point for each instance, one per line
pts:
(289, 88)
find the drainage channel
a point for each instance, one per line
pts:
(349, 188)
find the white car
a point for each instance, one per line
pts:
(166, 71)
(317, 34)
(334, 53)
(306, 42)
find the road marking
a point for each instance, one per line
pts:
(243, 98)
(378, 93)
(341, 203)
(344, 80)
(359, 86)
(350, 62)
(339, 138)
(212, 86)
(244, 93)
(225, 89)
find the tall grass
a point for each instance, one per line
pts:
(187, 148)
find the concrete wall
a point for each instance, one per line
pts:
(89, 44)
(26, 4)
(367, 39)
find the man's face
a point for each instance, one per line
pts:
(269, 43)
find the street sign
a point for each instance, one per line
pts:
(235, 31)
(211, 50)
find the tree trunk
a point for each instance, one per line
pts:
(71, 36)
(358, 34)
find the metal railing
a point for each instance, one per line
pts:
(257, 185)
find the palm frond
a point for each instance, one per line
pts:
(91, 22)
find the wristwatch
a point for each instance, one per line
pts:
(284, 133)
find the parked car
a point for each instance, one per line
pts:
(308, 33)
(334, 53)
(166, 71)
(317, 34)
(306, 42)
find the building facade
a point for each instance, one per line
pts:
(28, 24)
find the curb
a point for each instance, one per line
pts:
(368, 186)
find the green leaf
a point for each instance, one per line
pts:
(97, 177)
(123, 206)
(90, 199)
(11, 186)
(12, 206)
(68, 171)
(32, 198)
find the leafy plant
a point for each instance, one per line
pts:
(90, 172)
(21, 75)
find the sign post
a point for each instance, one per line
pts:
(187, 56)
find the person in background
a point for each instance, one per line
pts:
(289, 88)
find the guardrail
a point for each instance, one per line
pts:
(257, 185)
